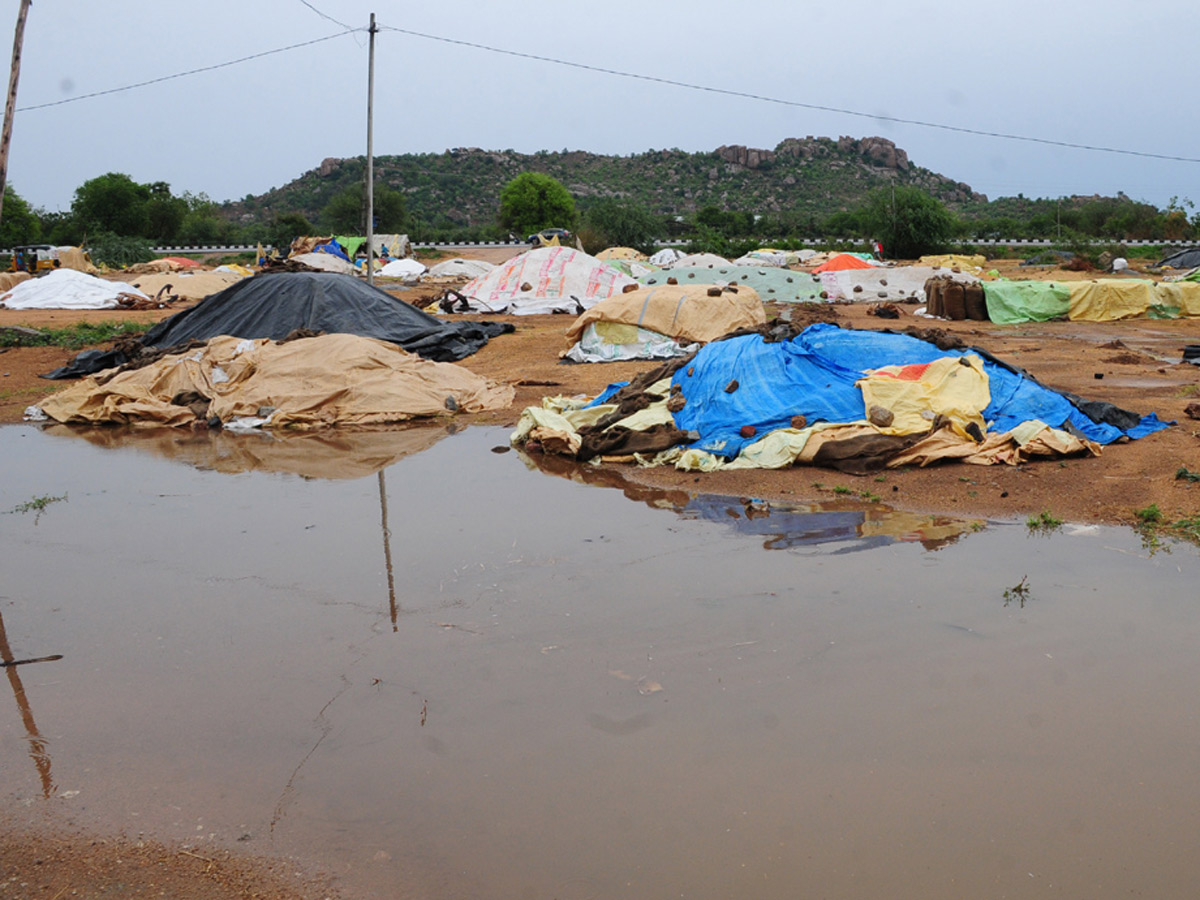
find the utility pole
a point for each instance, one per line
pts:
(10, 106)
(371, 158)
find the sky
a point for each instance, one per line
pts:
(1059, 73)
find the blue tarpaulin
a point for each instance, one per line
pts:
(813, 375)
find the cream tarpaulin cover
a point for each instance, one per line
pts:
(545, 280)
(682, 311)
(334, 379)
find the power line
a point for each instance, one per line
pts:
(793, 103)
(325, 16)
(232, 62)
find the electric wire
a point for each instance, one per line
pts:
(745, 95)
(202, 69)
(326, 16)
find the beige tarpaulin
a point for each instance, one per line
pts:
(78, 259)
(9, 280)
(621, 253)
(189, 286)
(334, 379)
(685, 312)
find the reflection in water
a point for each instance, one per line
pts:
(783, 525)
(592, 698)
(37, 744)
(332, 453)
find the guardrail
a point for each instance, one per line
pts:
(227, 249)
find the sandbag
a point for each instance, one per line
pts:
(976, 302)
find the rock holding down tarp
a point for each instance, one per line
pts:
(274, 305)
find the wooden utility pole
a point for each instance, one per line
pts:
(10, 106)
(371, 158)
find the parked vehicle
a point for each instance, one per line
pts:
(34, 258)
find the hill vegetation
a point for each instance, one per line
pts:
(844, 190)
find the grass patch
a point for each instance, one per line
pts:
(1184, 474)
(1043, 523)
(74, 337)
(1019, 592)
(842, 489)
(1153, 526)
(35, 505)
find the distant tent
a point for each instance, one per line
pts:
(841, 262)
(275, 305)
(1188, 258)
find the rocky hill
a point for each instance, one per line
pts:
(808, 178)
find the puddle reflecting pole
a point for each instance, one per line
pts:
(37, 744)
(371, 160)
(387, 551)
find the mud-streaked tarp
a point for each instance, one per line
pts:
(275, 305)
(661, 322)
(685, 312)
(186, 285)
(815, 375)
(1010, 302)
(333, 379)
(545, 280)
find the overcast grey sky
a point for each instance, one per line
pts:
(1074, 72)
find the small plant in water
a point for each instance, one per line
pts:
(1043, 523)
(1018, 592)
(36, 505)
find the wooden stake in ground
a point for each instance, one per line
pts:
(10, 107)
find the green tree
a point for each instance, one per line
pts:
(114, 203)
(533, 201)
(908, 221)
(285, 228)
(164, 212)
(623, 224)
(20, 224)
(346, 213)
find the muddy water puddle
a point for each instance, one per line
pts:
(560, 693)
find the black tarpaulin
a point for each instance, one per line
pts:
(274, 305)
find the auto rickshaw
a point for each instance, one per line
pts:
(34, 258)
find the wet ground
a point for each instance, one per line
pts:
(468, 677)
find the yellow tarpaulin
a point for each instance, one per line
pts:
(1109, 299)
(955, 387)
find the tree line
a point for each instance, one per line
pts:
(115, 212)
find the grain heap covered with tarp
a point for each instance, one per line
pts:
(69, 289)
(545, 280)
(857, 401)
(274, 305)
(661, 322)
(332, 379)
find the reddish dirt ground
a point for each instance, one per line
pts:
(1142, 372)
